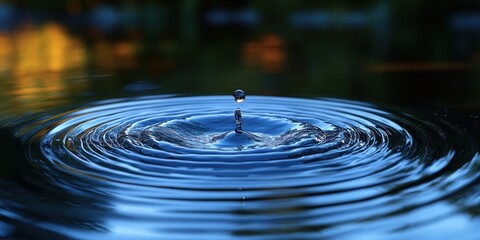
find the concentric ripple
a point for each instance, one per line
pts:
(174, 167)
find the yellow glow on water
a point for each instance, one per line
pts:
(57, 44)
(34, 60)
(5, 52)
(43, 49)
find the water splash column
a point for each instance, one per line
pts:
(238, 121)
(239, 97)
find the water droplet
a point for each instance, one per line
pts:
(239, 95)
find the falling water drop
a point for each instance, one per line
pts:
(239, 96)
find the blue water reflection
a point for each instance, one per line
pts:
(173, 167)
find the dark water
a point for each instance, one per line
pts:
(167, 167)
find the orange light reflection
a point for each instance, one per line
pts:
(268, 52)
(119, 55)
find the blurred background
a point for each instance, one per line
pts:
(407, 53)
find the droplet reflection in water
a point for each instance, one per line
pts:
(171, 168)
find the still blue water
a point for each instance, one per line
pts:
(173, 167)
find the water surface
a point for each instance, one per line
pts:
(173, 167)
